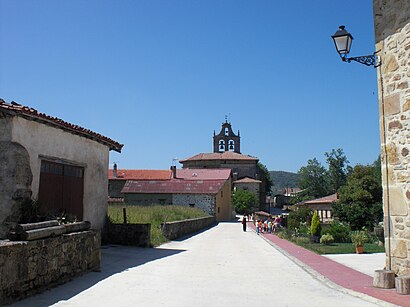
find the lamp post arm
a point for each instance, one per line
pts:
(368, 60)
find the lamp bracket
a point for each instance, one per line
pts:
(368, 60)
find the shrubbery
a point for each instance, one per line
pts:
(339, 231)
(327, 239)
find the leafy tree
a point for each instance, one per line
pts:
(377, 169)
(301, 215)
(315, 226)
(338, 169)
(313, 178)
(244, 201)
(360, 199)
(265, 177)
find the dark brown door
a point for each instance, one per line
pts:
(61, 189)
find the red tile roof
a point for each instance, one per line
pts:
(140, 174)
(28, 113)
(174, 186)
(320, 201)
(247, 180)
(203, 173)
(227, 155)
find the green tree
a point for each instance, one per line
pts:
(377, 169)
(313, 178)
(244, 201)
(301, 215)
(265, 177)
(360, 199)
(337, 169)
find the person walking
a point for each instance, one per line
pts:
(244, 223)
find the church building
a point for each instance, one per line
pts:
(227, 154)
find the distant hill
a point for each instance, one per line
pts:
(283, 180)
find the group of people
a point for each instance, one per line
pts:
(269, 225)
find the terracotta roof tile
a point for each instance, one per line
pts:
(203, 174)
(323, 200)
(247, 180)
(16, 109)
(227, 155)
(140, 174)
(173, 186)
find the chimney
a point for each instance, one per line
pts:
(174, 171)
(114, 171)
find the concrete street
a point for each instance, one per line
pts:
(222, 266)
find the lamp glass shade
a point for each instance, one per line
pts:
(343, 41)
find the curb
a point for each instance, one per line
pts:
(324, 280)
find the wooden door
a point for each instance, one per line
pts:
(61, 189)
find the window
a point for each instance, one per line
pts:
(222, 193)
(192, 205)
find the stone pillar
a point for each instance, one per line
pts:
(392, 33)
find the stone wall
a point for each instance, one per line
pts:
(29, 267)
(127, 234)
(205, 202)
(174, 230)
(392, 33)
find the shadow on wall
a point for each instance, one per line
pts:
(115, 259)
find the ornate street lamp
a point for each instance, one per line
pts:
(343, 42)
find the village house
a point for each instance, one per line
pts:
(118, 177)
(209, 190)
(322, 205)
(61, 165)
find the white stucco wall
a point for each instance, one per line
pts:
(42, 140)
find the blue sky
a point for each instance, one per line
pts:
(160, 76)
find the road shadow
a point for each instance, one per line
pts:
(187, 236)
(115, 259)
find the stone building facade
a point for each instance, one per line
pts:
(249, 184)
(392, 33)
(208, 190)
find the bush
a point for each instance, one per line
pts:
(340, 232)
(285, 234)
(327, 239)
(303, 228)
(301, 240)
(299, 216)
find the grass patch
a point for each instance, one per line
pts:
(339, 248)
(155, 215)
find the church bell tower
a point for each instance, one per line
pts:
(227, 140)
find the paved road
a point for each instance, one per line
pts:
(222, 266)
